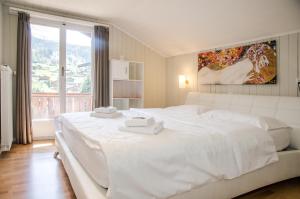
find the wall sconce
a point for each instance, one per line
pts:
(183, 82)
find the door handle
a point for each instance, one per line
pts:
(62, 71)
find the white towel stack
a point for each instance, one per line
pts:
(109, 109)
(144, 125)
(106, 112)
(139, 121)
(106, 115)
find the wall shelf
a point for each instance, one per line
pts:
(127, 84)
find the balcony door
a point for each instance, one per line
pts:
(61, 71)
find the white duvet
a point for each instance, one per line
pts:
(191, 151)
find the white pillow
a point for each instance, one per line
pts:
(281, 138)
(266, 123)
(197, 109)
(270, 123)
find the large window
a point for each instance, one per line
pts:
(61, 70)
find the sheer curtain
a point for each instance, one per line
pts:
(101, 70)
(23, 83)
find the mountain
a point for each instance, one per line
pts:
(45, 67)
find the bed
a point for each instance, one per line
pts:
(88, 182)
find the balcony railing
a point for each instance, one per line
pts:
(47, 105)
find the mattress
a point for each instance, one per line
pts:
(93, 161)
(86, 188)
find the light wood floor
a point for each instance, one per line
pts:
(31, 172)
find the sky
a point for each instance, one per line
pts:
(52, 34)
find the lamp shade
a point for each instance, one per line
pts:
(182, 81)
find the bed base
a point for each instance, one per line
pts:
(83, 186)
(287, 167)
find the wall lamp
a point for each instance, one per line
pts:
(183, 81)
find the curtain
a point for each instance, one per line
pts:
(101, 70)
(23, 80)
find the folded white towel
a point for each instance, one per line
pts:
(152, 129)
(106, 115)
(109, 109)
(139, 121)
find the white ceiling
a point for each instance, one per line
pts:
(175, 27)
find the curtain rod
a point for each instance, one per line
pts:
(56, 16)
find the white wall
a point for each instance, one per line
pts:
(1, 32)
(10, 48)
(288, 65)
(183, 64)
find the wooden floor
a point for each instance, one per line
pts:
(31, 172)
(289, 189)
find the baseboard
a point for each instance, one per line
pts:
(44, 138)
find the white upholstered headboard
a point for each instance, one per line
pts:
(286, 109)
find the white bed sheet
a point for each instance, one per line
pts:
(185, 155)
(93, 161)
(184, 113)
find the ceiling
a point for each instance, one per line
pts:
(174, 27)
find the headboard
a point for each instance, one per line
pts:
(286, 109)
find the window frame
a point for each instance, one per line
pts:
(63, 27)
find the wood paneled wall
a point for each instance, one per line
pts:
(122, 45)
(288, 66)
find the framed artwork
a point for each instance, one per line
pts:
(249, 64)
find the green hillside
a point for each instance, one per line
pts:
(45, 67)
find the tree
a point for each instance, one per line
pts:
(86, 86)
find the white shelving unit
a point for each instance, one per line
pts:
(126, 84)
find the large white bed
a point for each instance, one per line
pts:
(86, 164)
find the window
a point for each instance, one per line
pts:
(78, 73)
(61, 70)
(45, 72)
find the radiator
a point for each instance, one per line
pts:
(6, 108)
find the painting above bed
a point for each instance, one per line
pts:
(248, 64)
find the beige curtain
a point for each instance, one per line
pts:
(101, 70)
(23, 84)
